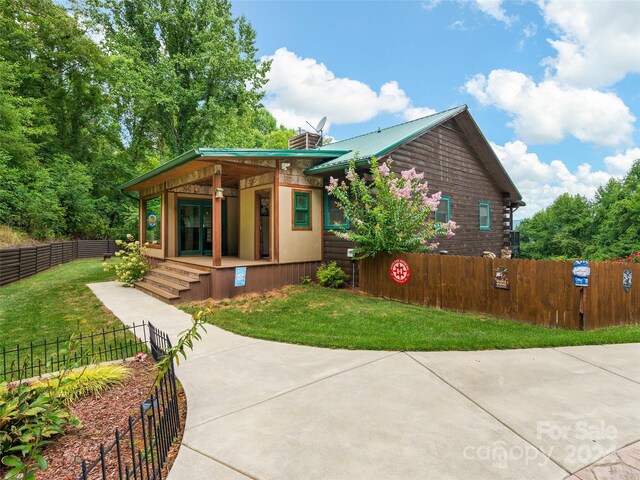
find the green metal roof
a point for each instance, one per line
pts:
(231, 152)
(380, 142)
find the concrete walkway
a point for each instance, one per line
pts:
(273, 411)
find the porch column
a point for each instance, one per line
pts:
(217, 217)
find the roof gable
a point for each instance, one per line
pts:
(380, 142)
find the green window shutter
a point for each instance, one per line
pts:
(484, 215)
(301, 209)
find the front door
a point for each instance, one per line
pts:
(195, 227)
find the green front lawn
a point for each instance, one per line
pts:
(54, 303)
(312, 315)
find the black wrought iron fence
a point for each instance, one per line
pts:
(51, 355)
(140, 450)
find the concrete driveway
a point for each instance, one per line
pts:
(273, 411)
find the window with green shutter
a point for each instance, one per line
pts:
(301, 209)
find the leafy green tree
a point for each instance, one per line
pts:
(563, 230)
(184, 72)
(87, 105)
(617, 217)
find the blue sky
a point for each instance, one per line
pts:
(553, 85)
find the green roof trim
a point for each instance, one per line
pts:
(380, 142)
(231, 152)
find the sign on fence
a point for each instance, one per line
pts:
(581, 272)
(627, 277)
(400, 271)
(501, 280)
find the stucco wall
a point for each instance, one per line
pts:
(246, 247)
(300, 245)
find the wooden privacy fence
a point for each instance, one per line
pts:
(540, 291)
(22, 262)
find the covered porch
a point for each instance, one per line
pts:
(227, 261)
(204, 214)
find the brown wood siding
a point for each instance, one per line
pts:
(451, 166)
(259, 278)
(335, 250)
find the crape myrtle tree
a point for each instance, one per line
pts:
(389, 214)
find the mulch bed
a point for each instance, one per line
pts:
(100, 417)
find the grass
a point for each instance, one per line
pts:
(56, 302)
(312, 315)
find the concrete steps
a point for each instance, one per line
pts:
(173, 283)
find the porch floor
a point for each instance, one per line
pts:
(227, 262)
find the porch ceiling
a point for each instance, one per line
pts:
(233, 173)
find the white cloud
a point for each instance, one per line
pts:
(494, 9)
(599, 41)
(429, 5)
(540, 183)
(548, 111)
(412, 113)
(301, 89)
(620, 163)
(530, 30)
(458, 25)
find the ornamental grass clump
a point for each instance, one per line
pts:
(133, 265)
(93, 380)
(391, 213)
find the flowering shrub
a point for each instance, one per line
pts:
(133, 265)
(633, 258)
(389, 214)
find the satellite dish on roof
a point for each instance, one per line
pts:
(319, 128)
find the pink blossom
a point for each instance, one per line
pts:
(437, 196)
(452, 225)
(411, 174)
(451, 233)
(351, 175)
(384, 170)
(434, 246)
(333, 184)
(405, 192)
(408, 174)
(430, 202)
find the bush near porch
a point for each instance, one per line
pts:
(323, 317)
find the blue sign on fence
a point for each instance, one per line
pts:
(241, 277)
(581, 272)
